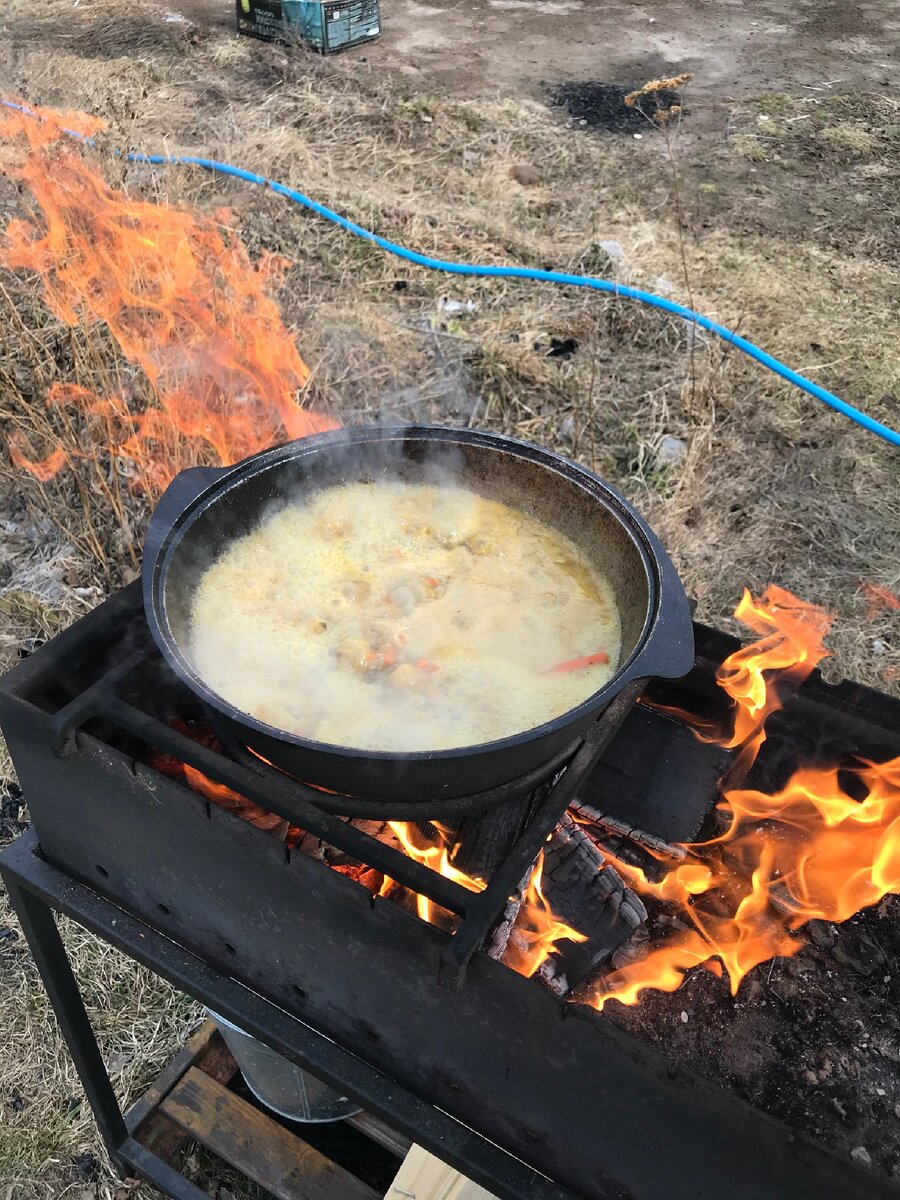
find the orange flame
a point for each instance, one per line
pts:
(224, 796)
(879, 598)
(438, 859)
(808, 851)
(179, 294)
(757, 676)
(833, 855)
(537, 930)
(246, 809)
(741, 942)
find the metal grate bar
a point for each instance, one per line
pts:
(299, 803)
(483, 912)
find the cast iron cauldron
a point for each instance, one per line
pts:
(204, 509)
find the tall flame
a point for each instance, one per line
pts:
(758, 676)
(439, 858)
(808, 851)
(180, 296)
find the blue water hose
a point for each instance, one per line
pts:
(619, 290)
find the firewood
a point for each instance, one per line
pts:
(622, 829)
(424, 1177)
(591, 896)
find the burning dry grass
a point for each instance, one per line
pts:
(771, 486)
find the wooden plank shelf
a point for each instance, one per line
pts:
(251, 1141)
(191, 1100)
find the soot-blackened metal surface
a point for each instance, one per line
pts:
(552, 1084)
(572, 1099)
(114, 704)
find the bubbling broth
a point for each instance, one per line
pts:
(402, 617)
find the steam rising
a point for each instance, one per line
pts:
(405, 616)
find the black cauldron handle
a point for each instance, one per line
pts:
(669, 650)
(178, 496)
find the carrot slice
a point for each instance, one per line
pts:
(577, 664)
(425, 664)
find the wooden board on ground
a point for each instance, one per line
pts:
(207, 1053)
(253, 1143)
(424, 1177)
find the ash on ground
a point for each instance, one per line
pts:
(813, 1040)
(602, 105)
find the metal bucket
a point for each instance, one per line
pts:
(279, 1084)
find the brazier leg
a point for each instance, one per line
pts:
(39, 926)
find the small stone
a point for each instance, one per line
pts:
(838, 1107)
(861, 1155)
(526, 174)
(672, 451)
(684, 1017)
(567, 430)
(897, 1111)
(810, 1077)
(613, 249)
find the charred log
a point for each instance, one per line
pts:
(612, 827)
(590, 896)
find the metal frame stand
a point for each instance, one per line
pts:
(786, 1170)
(36, 889)
(42, 934)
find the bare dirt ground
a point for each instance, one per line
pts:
(487, 48)
(773, 207)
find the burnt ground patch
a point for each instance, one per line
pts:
(602, 105)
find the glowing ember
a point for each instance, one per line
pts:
(246, 809)
(179, 294)
(809, 851)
